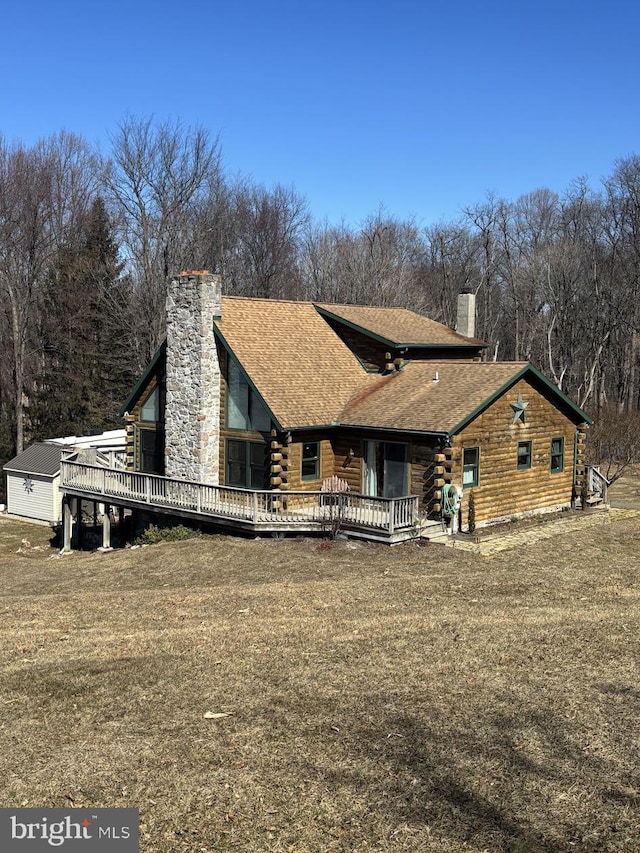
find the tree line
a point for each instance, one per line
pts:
(88, 241)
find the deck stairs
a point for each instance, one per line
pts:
(597, 488)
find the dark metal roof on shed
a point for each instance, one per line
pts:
(40, 458)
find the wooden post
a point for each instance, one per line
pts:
(78, 525)
(106, 528)
(67, 523)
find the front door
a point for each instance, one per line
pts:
(385, 469)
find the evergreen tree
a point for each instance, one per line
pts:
(84, 374)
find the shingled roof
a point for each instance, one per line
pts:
(397, 327)
(302, 370)
(307, 376)
(430, 396)
(443, 396)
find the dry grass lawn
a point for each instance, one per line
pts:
(405, 699)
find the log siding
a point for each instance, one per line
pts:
(504, 489)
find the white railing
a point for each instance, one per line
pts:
(324, 509)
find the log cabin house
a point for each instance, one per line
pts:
(284, 404)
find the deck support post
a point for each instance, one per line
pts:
(79, 529)
(121, 525)
(106, 528)
(67, 524)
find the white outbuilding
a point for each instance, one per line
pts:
(33, 479)
(33, 476)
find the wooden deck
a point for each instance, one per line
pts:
(380, 519)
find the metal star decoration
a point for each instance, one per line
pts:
(28, 485)
(519, 409)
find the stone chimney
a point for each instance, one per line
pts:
(466, 319)
(192, 410)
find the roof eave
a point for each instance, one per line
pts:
(356, 327)
(324, 312)
(142, 382)
(32, 471)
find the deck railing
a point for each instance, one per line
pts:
(597, 483)
(267, 508)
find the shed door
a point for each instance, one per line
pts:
(385, 469)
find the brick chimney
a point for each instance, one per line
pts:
(192, 410)
(466, 317)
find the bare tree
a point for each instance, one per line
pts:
(451, 266)
(160, 173)
(381, 263)
(622, 200)
(614, 441)
(267, 232)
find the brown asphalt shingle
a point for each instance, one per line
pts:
(302, 369)
(411, 400)
(398, 326)
(309, 377)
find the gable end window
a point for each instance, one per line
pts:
(557, 455)
(524, 455)
(470, 467)
(244, 409)
(150, 409)
(310, 460)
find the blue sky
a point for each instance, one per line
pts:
(422, 107)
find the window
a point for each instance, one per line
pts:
(151, 444)
(244, 409)
(470, 466)
(310, 460)
(524, 455)
(557, 455)
(247, 464)
(150, 409)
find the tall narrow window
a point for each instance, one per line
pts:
(151, 449)
(470, 467)
(238, 398)
(310, 460)
(557, 455)
(150, 433)
(244, 408)
(150, 409)
(524, 455)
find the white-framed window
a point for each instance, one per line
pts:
(470, 467)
